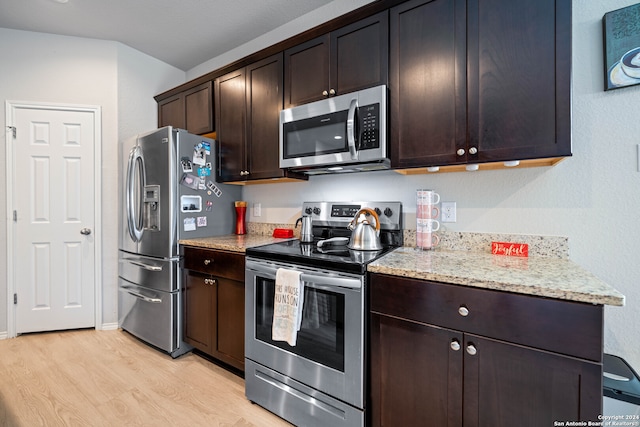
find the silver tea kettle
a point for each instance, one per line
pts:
(364, 237)
(306, 235)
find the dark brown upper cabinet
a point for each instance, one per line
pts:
(191, 110)
(248, 104)
(231, 118)
(345, 60)
(477, 81)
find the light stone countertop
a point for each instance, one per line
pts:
(539, 276)
(543, 276)
(231, 242)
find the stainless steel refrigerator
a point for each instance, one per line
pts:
(168, 192)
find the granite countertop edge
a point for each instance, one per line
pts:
(231, 242)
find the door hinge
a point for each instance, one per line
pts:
(15, 298)
(15, 216)
(13, 130)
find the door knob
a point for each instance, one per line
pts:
(85, 231)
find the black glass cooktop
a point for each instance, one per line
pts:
(333, 257)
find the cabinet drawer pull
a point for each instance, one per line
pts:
(463, 311)
(460, 152)
(209, 281)
(332, 92)
(455, 345)
(473, 150)
(207, 261)
(325, 93)
(471, 349)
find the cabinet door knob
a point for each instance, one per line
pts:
(473, 150)
(460, 152)
(471, 349)
(325, 93)
(332, 92)
(455, 345)
(207, 261)
(463, 311)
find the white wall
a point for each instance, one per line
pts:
(576, 198)
(68, 70)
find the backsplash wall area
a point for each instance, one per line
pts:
(574, 199)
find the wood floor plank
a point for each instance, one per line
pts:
(109, 378)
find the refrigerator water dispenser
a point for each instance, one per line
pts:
(152, 207)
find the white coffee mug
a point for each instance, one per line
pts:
(425, 204)
(430, 225)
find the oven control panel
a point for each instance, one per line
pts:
(338, 214)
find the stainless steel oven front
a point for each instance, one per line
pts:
(320, 380)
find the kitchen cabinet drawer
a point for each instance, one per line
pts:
(217, 263)
(563, 327)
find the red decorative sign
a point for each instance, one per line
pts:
(510, 249)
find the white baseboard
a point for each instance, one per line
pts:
(3, 335)
(108, 327)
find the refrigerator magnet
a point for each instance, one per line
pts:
(204, 171)
(199, 155)
(186, 164)
(189, 224)
(211, 186)
(190, 181)
(209, 206)
(206, 146)
(202, 221)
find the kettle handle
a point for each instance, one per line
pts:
(354, 221)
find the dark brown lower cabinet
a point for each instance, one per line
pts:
(214, 304)
(429, 374)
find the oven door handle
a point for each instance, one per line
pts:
(322, 281)
(343, 282)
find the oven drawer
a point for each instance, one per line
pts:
(296, 402)
(217, 263)
(561, 326)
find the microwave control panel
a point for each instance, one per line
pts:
(369, 126)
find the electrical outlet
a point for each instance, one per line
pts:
(257, 209)
(448, 211)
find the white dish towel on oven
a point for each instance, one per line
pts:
(287, 306)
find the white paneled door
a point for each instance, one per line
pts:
(54, 215)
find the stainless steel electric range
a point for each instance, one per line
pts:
(321, 380)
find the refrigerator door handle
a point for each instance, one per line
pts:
(134, 219)
(141, 296)
(143, 265)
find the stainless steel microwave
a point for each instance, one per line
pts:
(345, 133)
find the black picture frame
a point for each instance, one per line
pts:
(621, 29)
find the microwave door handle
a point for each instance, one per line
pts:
(351, 129)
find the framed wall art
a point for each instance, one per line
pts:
(621, 30)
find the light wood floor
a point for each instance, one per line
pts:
(109, 378)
